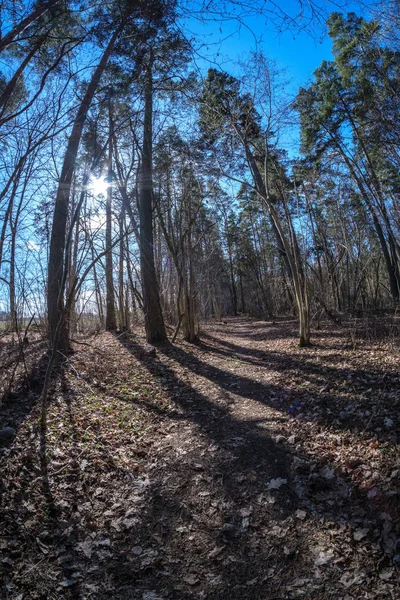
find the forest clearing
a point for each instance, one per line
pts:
(241, 467)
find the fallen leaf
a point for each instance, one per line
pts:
(216, 552)
(324, 557)
(301, 514)
(359, 534)
(386, 574)
(191, 579)
(275, 484)
(68, 582)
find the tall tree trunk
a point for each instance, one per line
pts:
(153, 318)
(73, 265)
(232, 277)
(390, 261)
(13, 304)
(191, 334)
(290, 251)
(97, 290)
(110, 302)
(9, 88)
(243, 307)
(122, 308)
(43, 7)
(58, 320)
(8, 212)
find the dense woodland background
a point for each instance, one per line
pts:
(138, 181)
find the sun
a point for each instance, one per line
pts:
(99, 186)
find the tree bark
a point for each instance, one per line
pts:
(153, 318)
(122, 305)
(8, 90)
(31, 18)
(57, 319)
(110, 303)
(390, 261)
(290, 253)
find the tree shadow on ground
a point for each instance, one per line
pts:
(17, 403)
(215, 421)
(54, 514)
(201, 521)
(16, 407)
(261, 331)
(32, 523)
(216, 496)
(325, 387)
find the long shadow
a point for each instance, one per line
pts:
(316, 374)
(238, 462)
(194, 520)
(261, 331)
(45, 534)
(215, 420)
(269, 357)
(65, 500)
(235, 460)
(305, 363)
(296, 402)
(16, 404)
(241, 452)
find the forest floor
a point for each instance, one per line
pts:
(243, 467)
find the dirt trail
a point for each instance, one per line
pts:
(261, 471)
(259, 504)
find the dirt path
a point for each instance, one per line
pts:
(240, 468)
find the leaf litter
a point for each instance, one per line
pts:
(243, 467)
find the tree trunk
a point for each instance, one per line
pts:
(190, 304)
(13, 304)
(110, 303)
(243, 307)
(31, 18)
(122, 305)
(97, 291)
(16, 176)
(391, 266)
(57, 319)
(8, 90)
(290, 252)
(153, 318)
(233, 283)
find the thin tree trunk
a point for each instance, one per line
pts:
(17, 176)
(31, 18)
(191, 313)
(97, 291)
(394, 282)
(13, 306)
(291, 259)
(243, 307)
(73, 269)
(8, 90)
(56, 275)
(110, 303)
(122, 309)
(232, 277)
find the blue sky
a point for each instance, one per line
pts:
(300, 52)
(298, 48)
